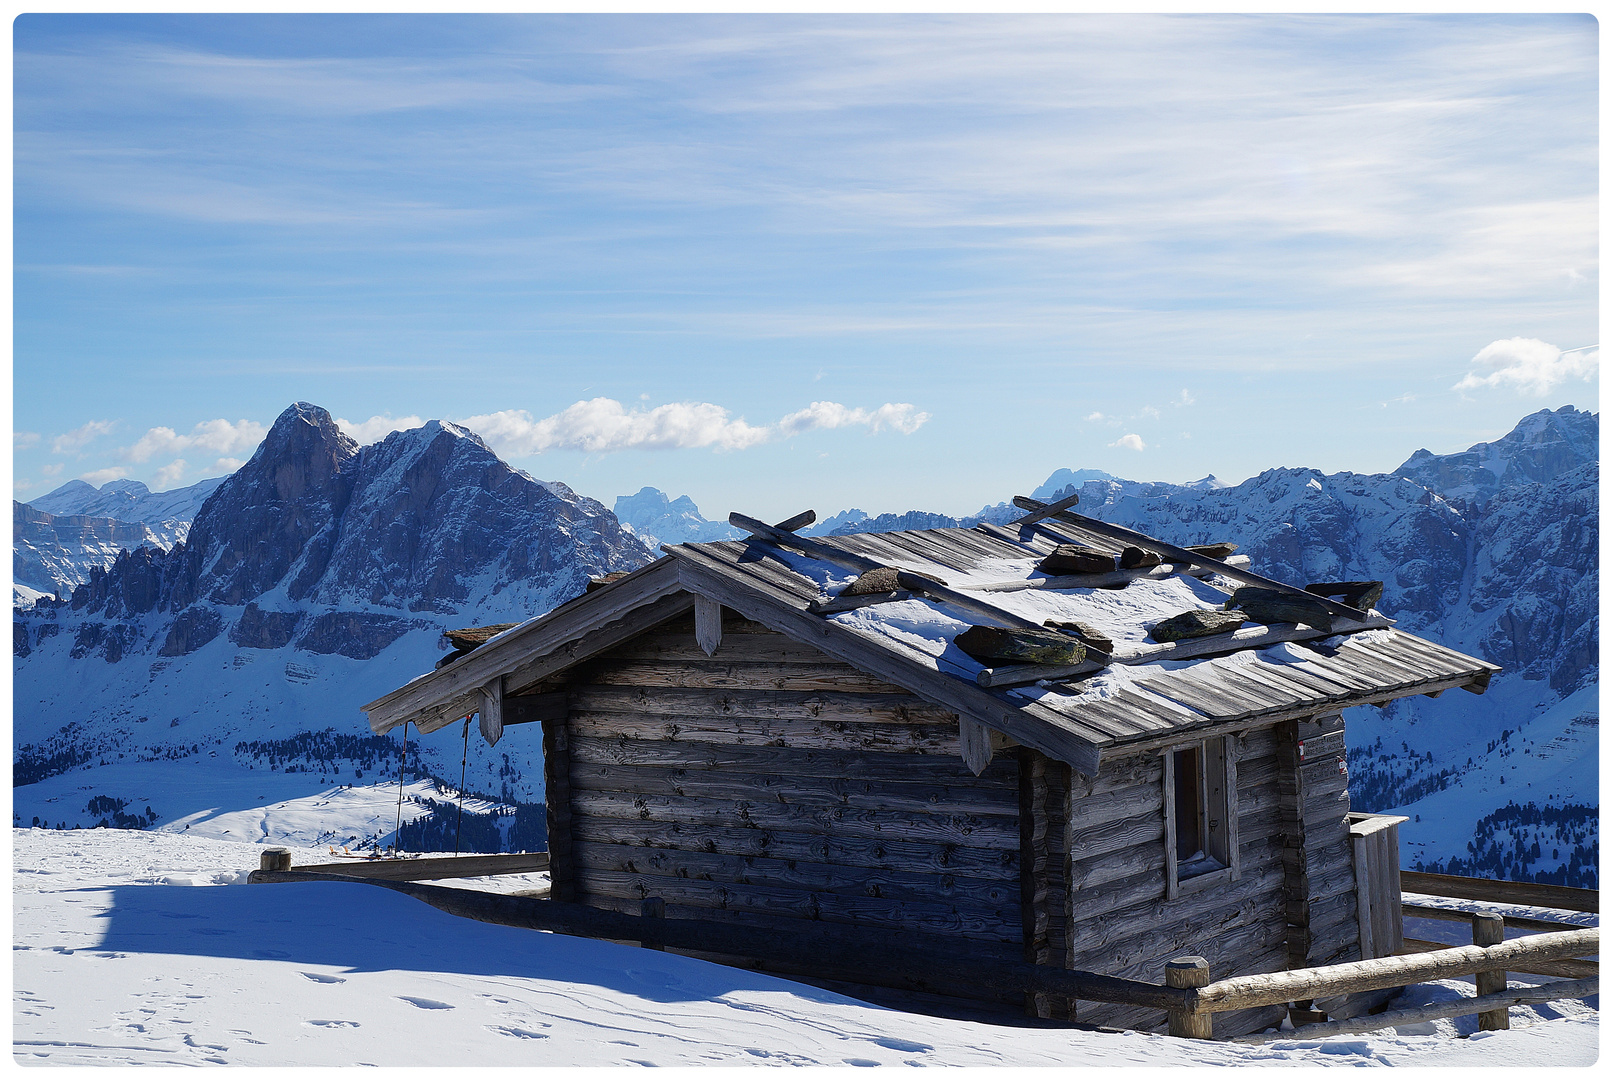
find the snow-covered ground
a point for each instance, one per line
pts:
(149, 948)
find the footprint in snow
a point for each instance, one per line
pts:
(332, 1023)
(517, 1033)
(318, 978)
(862, 1061)
(903, 1045)
(426, 1003)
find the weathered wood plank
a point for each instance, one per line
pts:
(821, 791)
(800, 734)
(963, 830)
(672, 702)
(523, 675)
(996, 864)
(983, 895)
(557, 807)
(862, 911)
(461, 866)
(739, 675)
(707, 625)
(788, 762)
(677, 643)
(1494, 891)
(1520, 922)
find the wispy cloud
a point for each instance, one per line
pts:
(1529, 365)
(100, 476)
(604, 425)
(73, 441)
(23, 440)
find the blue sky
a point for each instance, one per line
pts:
(788, 262)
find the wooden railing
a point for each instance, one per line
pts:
(1188, 997)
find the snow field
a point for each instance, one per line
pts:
(147, 948)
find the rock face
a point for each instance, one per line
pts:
(317, 577)
(167, 514)
(53, 553)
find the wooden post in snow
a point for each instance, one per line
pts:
(274, 858)
(1183, 972)
(1489, 928)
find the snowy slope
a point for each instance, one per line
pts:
(146, 949)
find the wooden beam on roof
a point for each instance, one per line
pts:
(1046, 511)
(707, 625)
(804, 544)
(1033, 725)
(1181, 554)
(1101, 581)
(536, 638)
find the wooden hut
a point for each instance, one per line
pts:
(782, 728)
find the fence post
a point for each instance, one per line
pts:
(274, 858)
(1189, 971)
(653, 907)
(1488, 928)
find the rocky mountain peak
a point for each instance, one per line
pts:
(1542, 447)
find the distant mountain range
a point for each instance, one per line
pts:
(321, 575)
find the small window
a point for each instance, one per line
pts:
(1200, 815)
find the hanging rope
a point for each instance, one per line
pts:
(397, 835)
(459, 825)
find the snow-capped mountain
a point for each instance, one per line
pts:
(656, 519)
(167, 513)
(318, 576)
(59, 538)
(51, 553)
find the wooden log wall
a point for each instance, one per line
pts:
(1043, 879)
(1121, 923)
(769, 783)
(1318, 857)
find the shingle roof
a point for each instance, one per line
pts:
(1148, 694)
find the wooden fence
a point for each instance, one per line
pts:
(1188, 997)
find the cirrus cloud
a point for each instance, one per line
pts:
(1527, 364)
(73, 441)
(604, 425)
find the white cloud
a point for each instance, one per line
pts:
(1149, 411)
(226, 465)
(80, 437)
(170, 474)
(604, 425)
(1129, 442)
(375, 428)
(1184, 398)
(21, 485)
(213, 436)
(1529, 365)
(829, 414)
(52, 470)
(22, 440)
(101, 476)
(1094, 417)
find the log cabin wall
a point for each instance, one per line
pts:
(1121, 922)
(771, 783)
(1323, 921)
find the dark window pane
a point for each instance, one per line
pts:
(1188, 805)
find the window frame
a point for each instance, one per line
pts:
(1216, 762)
